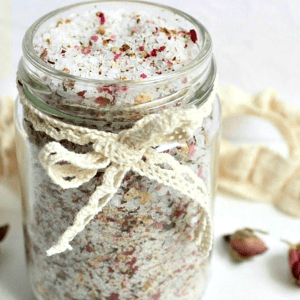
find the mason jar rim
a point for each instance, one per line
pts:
(29, 53)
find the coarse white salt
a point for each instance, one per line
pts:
(116, 46)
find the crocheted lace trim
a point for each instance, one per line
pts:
(120, 153)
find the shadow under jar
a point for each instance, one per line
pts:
(140, 245)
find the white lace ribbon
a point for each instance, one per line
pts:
(131, 149)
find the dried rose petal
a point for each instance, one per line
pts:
(3, 231)
(162, 48)
(44, 54)
(95, 38)
(103, 101)
(81, 94)
(245, 244)
(86, 50)
(294, 261)
(143, 75)
(184, 80)
(192, 149)
(154, 52)
(169, 63)
(101, 16)
(141, 48)
(117, 56)
(193, 35)
(66, 70)
(114, 296)
(156, 296)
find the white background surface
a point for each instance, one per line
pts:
(257, 45)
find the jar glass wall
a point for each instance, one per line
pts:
(139, 246)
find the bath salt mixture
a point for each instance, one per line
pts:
(96, 45)
(140, 246)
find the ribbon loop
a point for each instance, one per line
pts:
(69, 169)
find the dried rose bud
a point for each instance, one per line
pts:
(244, 244)
(3, 231)
(294, 261)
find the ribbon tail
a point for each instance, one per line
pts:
(111, 182)
(193, 187)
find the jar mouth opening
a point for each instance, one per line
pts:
(205, 47)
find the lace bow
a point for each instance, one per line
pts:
(130, 150)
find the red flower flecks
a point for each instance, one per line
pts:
(117, 56)
(169, 63)
(141, 48)
(101, 16)
(147, 55)
(193, 35)
(89, 248)
(63, 51)
(3, 232)
(178, 211)
(294, 261)
(154, 52)
(86, 50)
(81, 94)
(184, 80)
(143, 75)
(192, 149)
(103, 101)
(95, 38)
(156, 296)
(114, 296)
(44, 54)
(162, 48)
(132, 262)
(129, 252)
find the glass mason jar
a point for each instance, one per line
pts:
(139, 246)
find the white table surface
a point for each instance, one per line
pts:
(263, 278)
